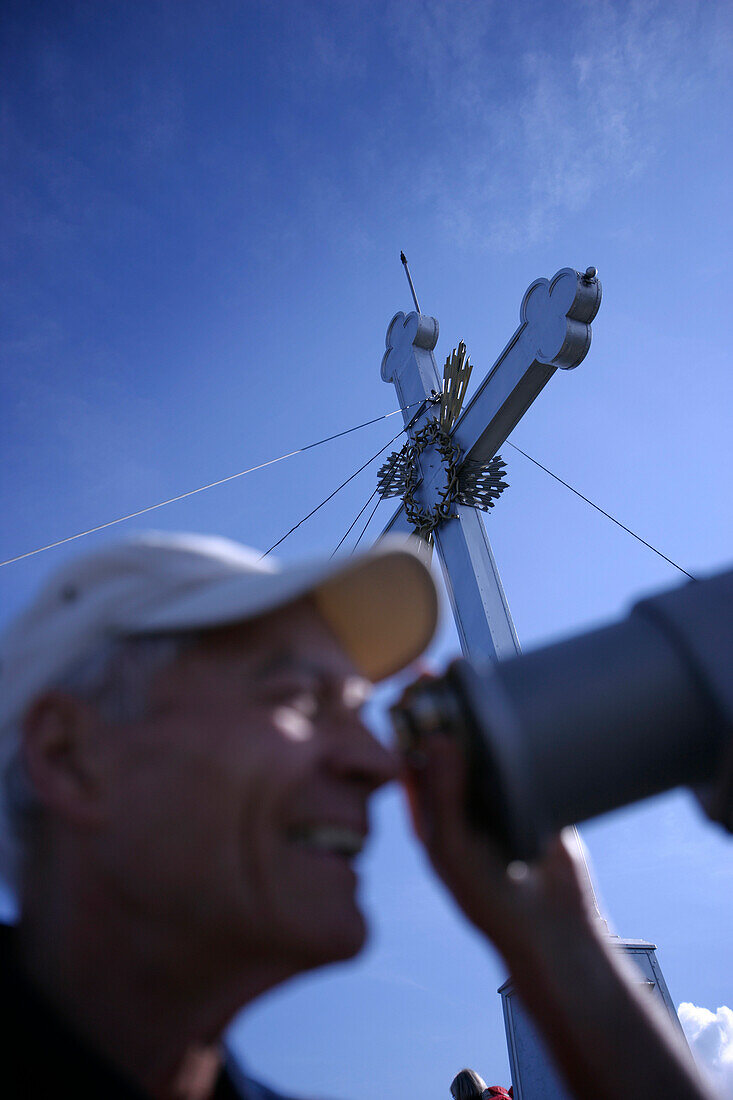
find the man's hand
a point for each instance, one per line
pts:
(511, 905)
(607, 1036)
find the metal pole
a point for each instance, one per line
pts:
(403, 257)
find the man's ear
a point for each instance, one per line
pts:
(61, 743)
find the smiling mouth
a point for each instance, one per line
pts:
(337, 840)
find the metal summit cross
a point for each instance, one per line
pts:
(447, 473)
(448, 470)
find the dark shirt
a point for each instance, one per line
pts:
(42, 1057)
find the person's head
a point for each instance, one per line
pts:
(467, 1085)
(201, 763)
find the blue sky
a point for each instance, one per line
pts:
(205, 204)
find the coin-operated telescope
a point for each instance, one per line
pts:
(572, 730)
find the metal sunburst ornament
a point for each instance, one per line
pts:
(477, 485)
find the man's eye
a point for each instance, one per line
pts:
(290, 693)
(310, 700)
(306, 703)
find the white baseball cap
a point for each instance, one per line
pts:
(382, 606)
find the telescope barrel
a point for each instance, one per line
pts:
(575, 729)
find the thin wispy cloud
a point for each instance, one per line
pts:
(518, 150)
(491, 128)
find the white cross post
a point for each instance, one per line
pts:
(554, 332)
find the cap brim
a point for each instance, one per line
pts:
(382, 605)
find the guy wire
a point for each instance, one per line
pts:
(201, 488)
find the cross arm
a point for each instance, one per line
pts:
(554, 332)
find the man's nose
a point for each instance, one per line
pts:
(358, 755)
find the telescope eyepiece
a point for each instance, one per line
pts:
(427, 707)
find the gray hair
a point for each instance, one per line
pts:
(116, 679)
(467, 1085)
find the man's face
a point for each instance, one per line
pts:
(237, 805)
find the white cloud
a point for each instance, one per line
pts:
(710, 1035)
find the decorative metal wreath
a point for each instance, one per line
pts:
(474, 484)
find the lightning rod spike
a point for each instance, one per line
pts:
(403, 257)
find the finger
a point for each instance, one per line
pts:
(410, 784)
(432, 784)
(452, 841)
(465, 859)
(444, 791)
